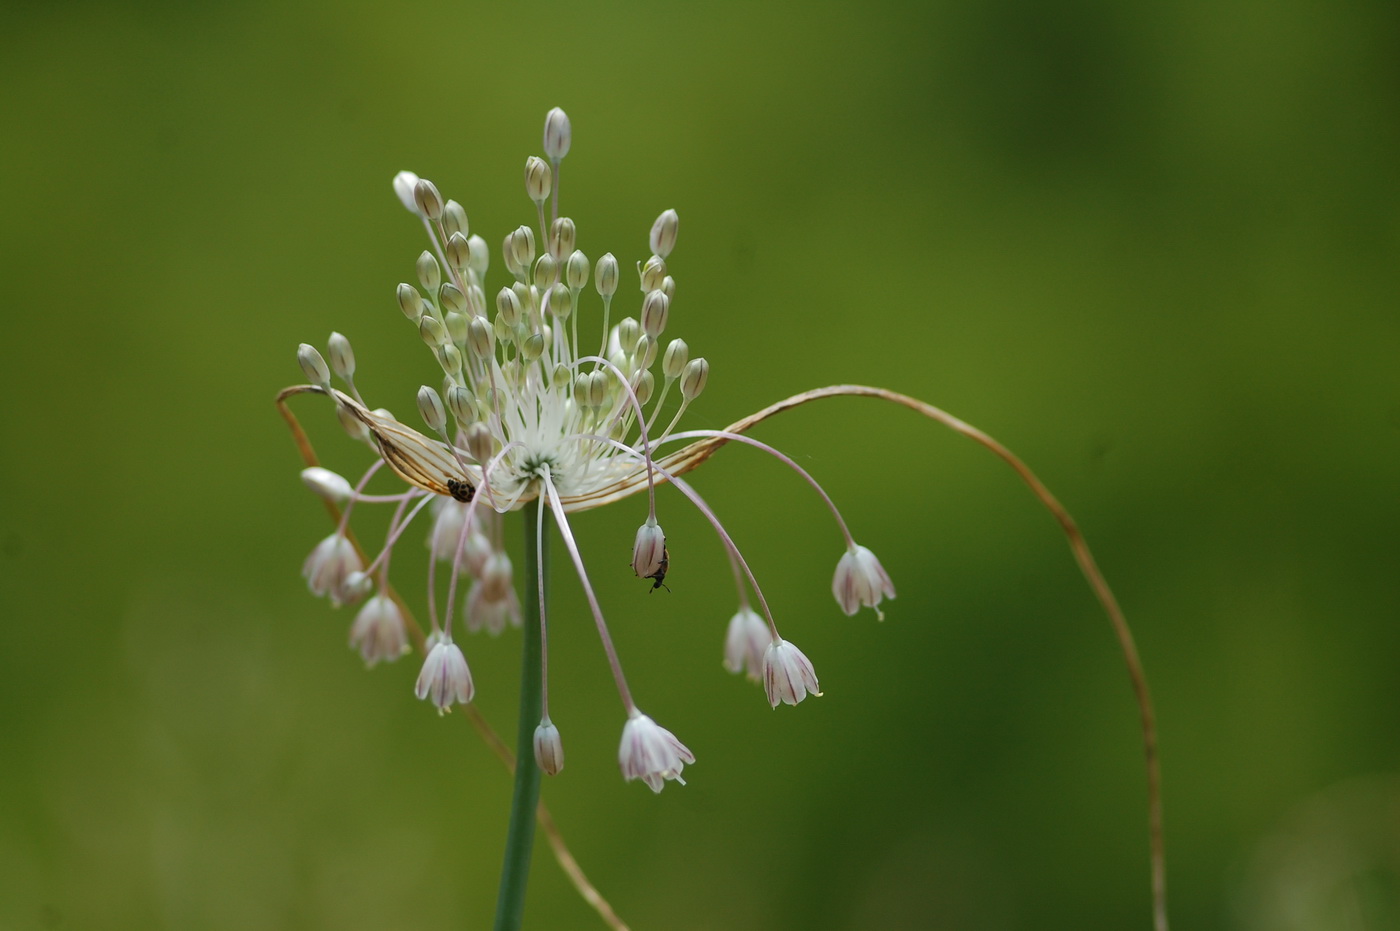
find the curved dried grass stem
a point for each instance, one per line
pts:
(1082, 555)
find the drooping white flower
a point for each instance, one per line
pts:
(744, 643)
(860, 580)
(445, 678)
(378, 632)
(328, 569)
(651, 753)
(788, 676)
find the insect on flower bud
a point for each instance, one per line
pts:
(557, 134)
(677, 354)
(576, 270)
(429, 201)
(429, 275)
(430, 407)
(549, 748)
(655, 308)
(649, 556)
(454, 218)
(663, 233)
(605, 275)
(539, 179)
(313, 366)
(404, 183)
(693, 378)
(342, 356)
(562, 237)
(410, 301)
(329, 485)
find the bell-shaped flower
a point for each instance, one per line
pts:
(861, 580)
(651, 753)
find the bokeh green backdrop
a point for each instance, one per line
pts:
(1153, 249)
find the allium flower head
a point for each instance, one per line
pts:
(543, 391)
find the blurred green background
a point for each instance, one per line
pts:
(1152, 249)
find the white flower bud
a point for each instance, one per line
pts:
(404, 183)
(861, 580)
(357, 586)
(646, 352)
(539, 179)
(431, 330)
(329, 485)
(653, 273)
(557, 134)
(480, 443)
(597, 387)
(450, 358)
(454, 218)
(532, 347)
(668, 287)
(605, 275)
(693, 378)
(462, 405)
(476, 300)
(456, 325)
(431, 409)
(508, 307)
(522, 246)
(352, 424)
(560, 302)
(562, 237)
(655, 308)
(313, 366)
(677, 354)
(649, 556)
(342, 356)
(458, 252)
(549, 748)
(410, 301)
(663, 233)
(429, 201)
(429, 275)
(576, 270)
(644, 387)
(451, 298)
(479, 337)
(788, 676)
(628, 332)
(481, 255)
(546, 272)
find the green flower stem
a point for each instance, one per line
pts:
(510, 903)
